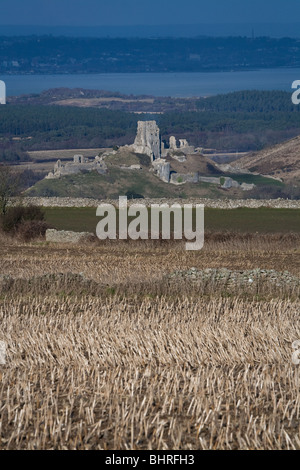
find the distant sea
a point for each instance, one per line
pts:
(158, 84)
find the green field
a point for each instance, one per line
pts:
(258, 180)
(242, 220)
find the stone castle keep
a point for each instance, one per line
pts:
(147, 140)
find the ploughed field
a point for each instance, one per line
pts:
(142, 345)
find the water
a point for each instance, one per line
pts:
(158, 84)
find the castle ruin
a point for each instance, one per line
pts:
(147, 139)
(148, 142)
(79, 164)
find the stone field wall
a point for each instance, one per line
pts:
(212, 203)
(64, 236)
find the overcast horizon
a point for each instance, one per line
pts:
(158, 18)
(157, 13)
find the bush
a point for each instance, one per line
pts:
(30, 229)
(133, 195)
(15, 216)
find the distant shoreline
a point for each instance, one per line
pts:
(166, 72)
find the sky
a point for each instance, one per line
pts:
(146, 12)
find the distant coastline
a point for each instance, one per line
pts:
(274, 30)
(46, 54)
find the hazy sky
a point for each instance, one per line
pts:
(147, 12)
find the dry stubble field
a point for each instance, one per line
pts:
(105, 351)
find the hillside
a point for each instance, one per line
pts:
(119, 179)
(281, 160)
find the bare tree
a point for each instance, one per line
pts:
(9, 186)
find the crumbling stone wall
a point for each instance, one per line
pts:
(184, 146)
(162, 169)
(63, 236)
(79, 164)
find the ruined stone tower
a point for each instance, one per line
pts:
(147, 139)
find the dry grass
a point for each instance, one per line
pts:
(115, 262)
(120, 359)
(281, 160)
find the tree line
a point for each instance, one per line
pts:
(242, 121)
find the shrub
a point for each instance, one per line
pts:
(131, 194)
(15, 216)
(30, 229)
(144, 159)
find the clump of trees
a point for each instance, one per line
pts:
(9, 187)
(24, 222)
(240, 121)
